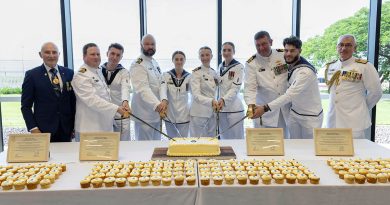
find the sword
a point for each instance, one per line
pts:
(151, 126)
(174, 125)
(231, 126)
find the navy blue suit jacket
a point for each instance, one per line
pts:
(49, 110)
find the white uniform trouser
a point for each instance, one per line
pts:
(228, 119)
(281, 124)
(301, 127)
(123, 127)
(359, 134)
(183, 129)
(203, 126)
(144, 132)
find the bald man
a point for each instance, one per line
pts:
(354, 88)
(149, 97)
(48, 100)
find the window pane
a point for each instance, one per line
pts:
(383, 107)
(240, 22)
(25, 26)
(104, 22)
(183, 25)
(322, 22)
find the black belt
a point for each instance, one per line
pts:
(178, 123)
(233, 112)
(307, 115)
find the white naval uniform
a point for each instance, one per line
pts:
(231, 78)
(94, 110)
(204, 89)
(304, 95)
(146, 79)
(179, 105)
(263, 84)
(118, 81)
(351, 98)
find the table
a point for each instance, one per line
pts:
(332, 190)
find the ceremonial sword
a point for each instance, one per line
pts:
(151, 126)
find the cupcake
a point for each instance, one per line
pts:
(97, 182)
(85, 183)
(166, 181)
(314, 179)
(50, 177)
(7, 185)
(279, 178)
(342, 173)
(382, 177)
(156, 180)
(205, 180)
(254, 179)
(217, 180)
(229, 179)
(32, 183)
(191, 180)
(291, 178)
(302, 178)
(144, 181)
(120, 182)
(266, 179)
(349, 179)
(133, 181)
(371, 178)
(20, 184)
(45, 183)
(109, 181)
(179, 180)
(242, 179)
(360, 178)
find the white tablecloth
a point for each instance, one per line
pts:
(332, 190)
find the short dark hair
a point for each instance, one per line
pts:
(205, 47)
(231, 44)
(178, 52)
(293, 40)
(262, 34)
(88, 45)
(117, 46)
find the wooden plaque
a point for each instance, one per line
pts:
(28, 147)
(333, 142)
(264, 141)
(99, 146)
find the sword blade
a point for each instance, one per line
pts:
(231, 126)
(151, 126)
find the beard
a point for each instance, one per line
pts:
(295, 59)
(149, 52)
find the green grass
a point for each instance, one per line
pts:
(12, 117)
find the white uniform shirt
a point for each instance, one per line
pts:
(266, 80)
(231, 78)
(94, 110)
(204, 89)
(357, 92)
(303, 93)
(146, 79)
(119, 87)
(178, 96)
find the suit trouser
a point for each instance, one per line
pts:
(144, 132)
(182, 128)
(123, 126)
(60, 135)
(228, 119)
(281, 124)
(203, 126)
(301, 127)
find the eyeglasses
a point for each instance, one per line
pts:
(346, 45)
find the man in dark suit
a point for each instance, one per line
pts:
(47, 89)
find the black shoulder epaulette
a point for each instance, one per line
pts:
(359, 60)
(334, 61)
(139, 60)
(251, 59)
(279, 50)
(196, 69)
(83, 70)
